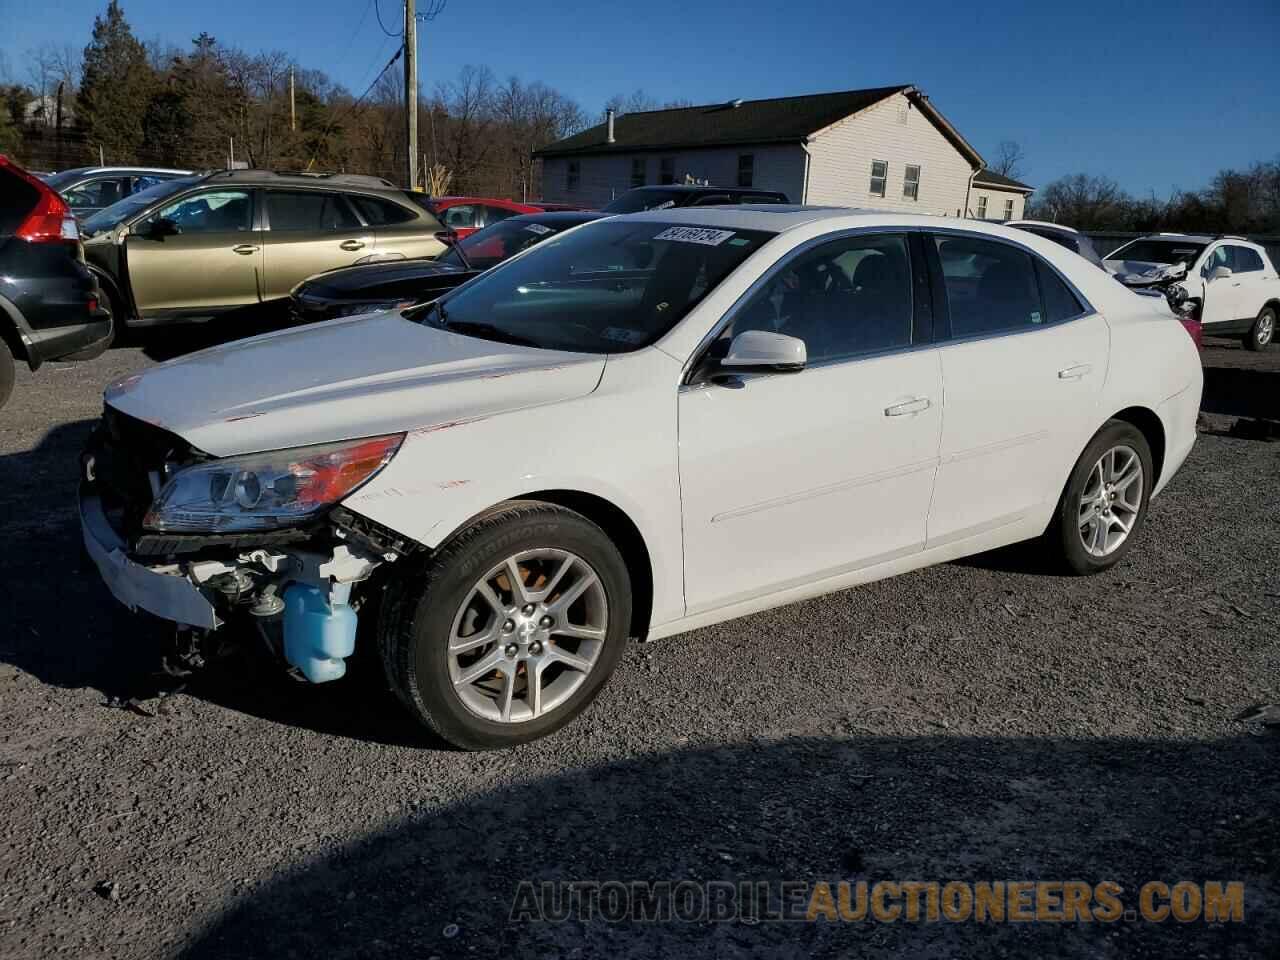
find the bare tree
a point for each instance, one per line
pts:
(1009, 159)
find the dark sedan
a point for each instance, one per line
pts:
(367, 287)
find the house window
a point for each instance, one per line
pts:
(982, 208)
(637, 172)
(573, 176)
(667, 170)
(746, 169)
(1008, 209)
(911, 183)
(879, 176)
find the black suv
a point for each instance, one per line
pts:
(680, 195)
(49, 306)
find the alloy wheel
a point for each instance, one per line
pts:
(1111, 501)
(527, 635)
(1266, 328)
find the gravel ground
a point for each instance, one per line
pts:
(982, 720)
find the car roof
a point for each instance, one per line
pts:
(1185, 237)
(303, 179)
(699, 188)
(559, 217)
(1044, 224)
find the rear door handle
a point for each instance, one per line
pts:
(1075, 373)
(915, 405)
(352, 244)
(245, 249)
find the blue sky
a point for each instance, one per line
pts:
(1155, 95)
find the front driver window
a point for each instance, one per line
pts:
(1220, 257)
(461, 217)
(844, 298)
(226, 211)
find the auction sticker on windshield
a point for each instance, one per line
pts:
(538, 228)
(704, 235)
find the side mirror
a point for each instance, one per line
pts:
(765, 352)
(447, 237)
(162, 227)
(1220, 273)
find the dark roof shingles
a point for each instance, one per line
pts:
(781, 120)
(990, 178)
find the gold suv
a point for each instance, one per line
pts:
(193, 248)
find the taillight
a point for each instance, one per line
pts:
(50, 220)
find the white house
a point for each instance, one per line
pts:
(887, 148)
(997, 197)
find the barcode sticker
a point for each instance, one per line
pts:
(704, 235)
(539, 229)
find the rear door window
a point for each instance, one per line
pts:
(97, 193)
(494, 214)
(1059, 302)
(990, 287)
(307, 211)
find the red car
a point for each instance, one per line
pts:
(465, 215)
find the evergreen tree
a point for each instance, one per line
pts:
(115, 86)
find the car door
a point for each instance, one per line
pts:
(400, 230)
(1250, 284)
(306, 232)
(199, 253)
(1221, 298)
(1023, 359)
(791, 477)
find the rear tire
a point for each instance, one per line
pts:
(1263, 332)
(7, 372)
(477, 693)
(1100, 515)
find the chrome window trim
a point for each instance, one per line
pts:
(767, 277)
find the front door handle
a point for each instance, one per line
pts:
(1075, 373)
(352, 244)
(245, 249)
(914, 405)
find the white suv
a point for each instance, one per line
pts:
(1234, 280)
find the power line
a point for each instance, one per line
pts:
(378, 10)
(356, 102)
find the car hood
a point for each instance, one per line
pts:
(360, 377)
(1137, 272)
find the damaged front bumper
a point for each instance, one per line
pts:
(165, 591)
(299, 598)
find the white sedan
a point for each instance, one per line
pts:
(642, 426)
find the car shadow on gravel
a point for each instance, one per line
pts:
(444, 881)
(1240, 392)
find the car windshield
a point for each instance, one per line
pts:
(489, 247)
(634, 201)
(611, 287)
(1159, 251)
(109, 217)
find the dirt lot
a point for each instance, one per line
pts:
(978, 721)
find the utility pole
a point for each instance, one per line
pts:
(411, 93)
(293, 116)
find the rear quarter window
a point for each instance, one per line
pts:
(379, 212)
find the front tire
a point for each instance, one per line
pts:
(1263, 332)
(1104, 503)
(511, 629)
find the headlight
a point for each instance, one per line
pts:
(355, 309)
(265, 491)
